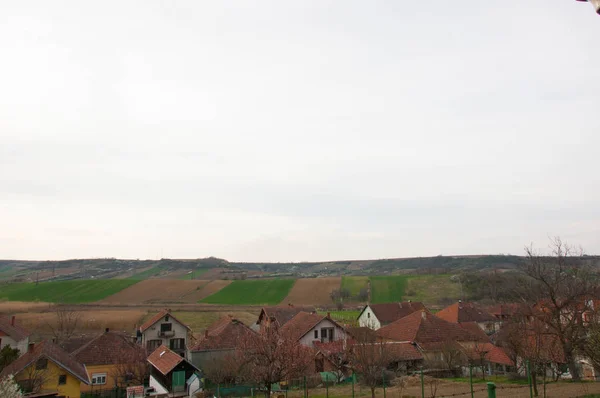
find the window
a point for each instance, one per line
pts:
(166, 327)
(41, 364)
(316, 334)
(326, 334)
(62, 379)
(152, 345)
(369, 315)
(177, 344)
(98, 378)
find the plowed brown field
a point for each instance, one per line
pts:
(158, 291)
(210, 288)
(312, 291)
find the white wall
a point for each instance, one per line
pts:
(152, 333)
(368, 319)
(21, 345)
(308, 338)
(157, 386)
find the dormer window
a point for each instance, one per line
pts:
(167, 318)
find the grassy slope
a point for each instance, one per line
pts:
(266, 291)
(388, 289)
(430, 289)
(354, 283)
(348, 317)
(147, 274)
(69, 292)
(195, 273)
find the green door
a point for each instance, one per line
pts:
(179, 381)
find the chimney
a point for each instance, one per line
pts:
(423, 315)
(328, 315)
(206, 333)
(12, 321)
(106, 330)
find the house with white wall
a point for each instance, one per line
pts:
(375, 316)
(164, 329)
(14, 335)
(310, 328)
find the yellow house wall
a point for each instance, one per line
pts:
(110, 377)
(69, 390)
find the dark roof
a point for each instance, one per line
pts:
(490, 353)
(73, 343)
(10, 327)
(474, 329)
(52, 352)
(390, 312)
(300, 324)
(424, 327)
(282, 314)
(508, 310)
(109, 349)
(465, 312)
(226, 333)
(158, 317)
(403, 351)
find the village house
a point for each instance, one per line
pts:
(220, 339)
(309, 328)
(443, 344)
(164, 329)
(278, 315)
(172, 375)
(375, 316)
(47, 368)
(468, 312)
(13, 335)
(112, 360)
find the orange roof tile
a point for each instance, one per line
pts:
(424, 327)
(109, 348)
(164, 360)
(465, 312)
(226, 333)
(157, 318)
(389, 312)
(301, 324)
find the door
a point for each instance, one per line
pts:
(179, 381)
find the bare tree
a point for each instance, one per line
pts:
(560, 286)
(271, 356)
(65, 324)
(370, 360)
(9, 389)
(132, 368)
(225, 369)
(36, 375)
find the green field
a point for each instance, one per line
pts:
(147, 274)
(388, 289)
(68, 292)
(354, 284)
(348, 317)
(252, 292)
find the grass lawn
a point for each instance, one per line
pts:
(354, 284)
(252, 292)
(346, 317)
(388, 289)
(494, 379)
(68, 292)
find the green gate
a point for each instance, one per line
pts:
(179, 381)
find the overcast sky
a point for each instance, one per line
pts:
(297, 130)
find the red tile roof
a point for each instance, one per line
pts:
(389, 312)
(424, 327)
(109, 349)
(403, 351)
(282, 314)
(490, 353)
(157, 318)
(301, 324)
(465, 312)
(474, 329)
(164, 360)
(12, 329)
(509, 310)
(226, 333)
(53, 353)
